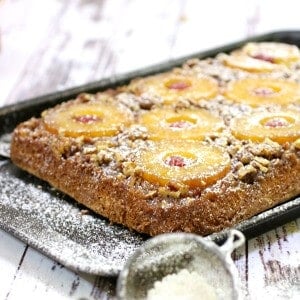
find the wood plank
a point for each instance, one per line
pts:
(75, 45)
(146, 33)
(72, 56)
(41, 278)
(23, 29)
(277, 17)
(274, 263)
(240, 259)
(269, 265)
(206, 26)
(12, 252)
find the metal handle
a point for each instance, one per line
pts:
(5, 145)
(234, 240)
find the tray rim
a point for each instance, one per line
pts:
(51, 99)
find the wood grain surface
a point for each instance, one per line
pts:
(50, 45)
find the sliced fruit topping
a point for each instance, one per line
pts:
(283, 126)
(247, 63)
(189, 163)
(187, 124)
(263, 91)
(86, 119)
(170, 87)
(272, 52)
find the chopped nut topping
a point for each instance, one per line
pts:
(268, 150)
(119, 157)
(233, 149)
(89, 149)
(151, 194)
(297, 144)
(104, 156)
(163, 191)
(259, 166)
(247, 174)
(246, 157)
(129, 168)
(85, 97)
(178, 187)
(164, 204)
(264, 162)
(120, 176)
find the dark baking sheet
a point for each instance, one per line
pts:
(57, 226)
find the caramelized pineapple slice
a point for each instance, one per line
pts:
(263, 91)
(262, 57)
(86, 119)
(170, 87)
(276, 53)
(281, 127)
(241, 61)
(183, 163)
(186, 124)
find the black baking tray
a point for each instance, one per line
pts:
(62, 229)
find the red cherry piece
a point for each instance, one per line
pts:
(178, 85)
(277, 122)
(264, 57)
(87, 119)
(175, 161)
(180, 124)
(263, 91)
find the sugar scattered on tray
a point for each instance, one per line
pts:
(55, 224)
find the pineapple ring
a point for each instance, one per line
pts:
(86, 119)
(247, 63)
(171, 87)
(183, 163)
(263, 91)
(281, 127)
(186, 124)
(275, 53)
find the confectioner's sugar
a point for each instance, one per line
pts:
(183, 285)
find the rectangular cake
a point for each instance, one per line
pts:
(196, 149)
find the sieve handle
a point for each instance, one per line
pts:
(234, 240)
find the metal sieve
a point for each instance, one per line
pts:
(170, 253)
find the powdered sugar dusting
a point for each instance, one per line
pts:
(54, 224)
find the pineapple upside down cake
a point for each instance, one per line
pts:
(196, 149)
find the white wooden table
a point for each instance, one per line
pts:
(51, 45)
